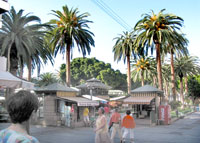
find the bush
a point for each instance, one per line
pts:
(175, 104)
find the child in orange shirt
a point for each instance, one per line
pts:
(128, 123)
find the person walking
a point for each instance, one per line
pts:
(86, 116)
(101, 129)
(20, 107)
(107, 112)
(115, 122)
(128, 123)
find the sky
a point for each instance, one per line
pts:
(106, 29)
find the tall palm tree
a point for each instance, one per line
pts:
(186, 66)
(124, 48)
(69, 29)
(20, 39)
(179, 47)
(143, 69)
(154, 31)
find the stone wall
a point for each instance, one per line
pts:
(50, 115)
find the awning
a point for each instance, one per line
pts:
(80, 101)
(7, 80)
(138, 100)
(117, 98)
(94, 98)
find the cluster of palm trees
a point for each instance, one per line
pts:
(27, 42)
(160, 33)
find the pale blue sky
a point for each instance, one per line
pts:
(105, 28)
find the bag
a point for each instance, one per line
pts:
(110, 126)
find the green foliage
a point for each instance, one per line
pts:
(70, 29)
(46, 79)
(124, 46)
(185, 110)
(83, 69)
(21, 39)
(194, 87)
(186, 66)
(175, 104)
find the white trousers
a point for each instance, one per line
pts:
(86, 119)
(127, 132)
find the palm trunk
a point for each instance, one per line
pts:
(68, 65)
(167, 91)
(159, 68)
(29, 69)
(8, 60)
(142, 77)
(128, 74)
(21, 71)
(186, 85)
(154, 81)
(29, 79)
(181, 91)
(173, 76)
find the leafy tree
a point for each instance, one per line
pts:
(194, 87)
(69, 29)
(124, 49)
(21, 40)
(156, 30)
(113, 78)
(83, 69)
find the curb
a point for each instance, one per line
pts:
(181, 117)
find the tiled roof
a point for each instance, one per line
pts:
(138, 99)
(56, 87)
(94, 83)
(146, 88)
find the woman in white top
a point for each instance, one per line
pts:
(101, 130)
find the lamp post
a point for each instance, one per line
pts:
(91, 92)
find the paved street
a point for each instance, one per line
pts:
(185, 130)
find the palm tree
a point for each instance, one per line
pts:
(186, 66)
(69, 29)
(179, 47)
(124, 48)
(20, 40)
(143, 69)
(46, 79)
(166, 78)
(154, 31)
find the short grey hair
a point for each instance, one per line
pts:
(102, 110)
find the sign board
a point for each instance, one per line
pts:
(88, 104)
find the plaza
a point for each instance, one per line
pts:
(185, 130)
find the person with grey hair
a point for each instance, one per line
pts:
(20, 107)
(101, 130)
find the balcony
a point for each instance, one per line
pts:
(4, 6)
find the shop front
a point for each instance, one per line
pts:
(144, 102)
(71, 110)
(61, 106)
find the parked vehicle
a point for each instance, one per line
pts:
(4, 117)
